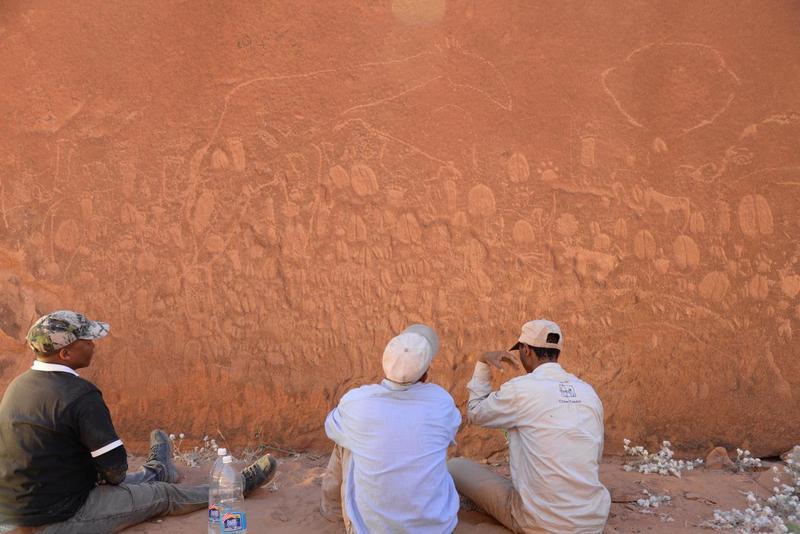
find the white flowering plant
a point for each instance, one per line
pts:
(779, 513)
(745, 462)
(653, 501)
(194, 457)
(661, 462)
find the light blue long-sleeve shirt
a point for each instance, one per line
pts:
(398, 438)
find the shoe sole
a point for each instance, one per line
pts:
(273, 469)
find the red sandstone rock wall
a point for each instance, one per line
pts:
(257, 197)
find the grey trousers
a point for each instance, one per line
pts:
(139, 498)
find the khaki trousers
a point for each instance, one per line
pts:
(492, 492)
(332, 505)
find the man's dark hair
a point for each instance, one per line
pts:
(546, 352)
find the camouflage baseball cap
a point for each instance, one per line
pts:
(58, 329)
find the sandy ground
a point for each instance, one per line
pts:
(290, 504)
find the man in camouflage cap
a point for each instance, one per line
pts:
(61, 328)
(63, 468)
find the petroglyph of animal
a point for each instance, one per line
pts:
(650, 199)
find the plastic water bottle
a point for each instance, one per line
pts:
(217, 467)
(230, 499)
(213, 491)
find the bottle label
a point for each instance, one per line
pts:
(233, 521)
(214, 511)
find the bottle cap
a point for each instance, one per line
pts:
(222, 451)
(227, 459)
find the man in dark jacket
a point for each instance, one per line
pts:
(63, 468)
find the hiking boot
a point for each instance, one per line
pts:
(160, 459)
(259, 473)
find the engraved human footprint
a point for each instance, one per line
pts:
(548, 171)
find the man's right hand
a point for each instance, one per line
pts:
(497, 358)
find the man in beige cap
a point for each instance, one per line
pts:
(555, 437)
(387, 472)
(63, 467)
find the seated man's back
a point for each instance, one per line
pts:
(555, 438)
(556, 448)
(397, 435)
(46, 471)
(398, 439)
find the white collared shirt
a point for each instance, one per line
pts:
(52, 367)
(398, 436)
(555, 434)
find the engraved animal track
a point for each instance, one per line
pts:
(481, 201)
(548, 172)
(685, 253)
(363, 180)
(523, 233)
(714, 286)
(518, 169)
(755, 216)
(644, 245)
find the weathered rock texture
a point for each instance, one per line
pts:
(258, 197)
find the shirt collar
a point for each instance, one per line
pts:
(52, 367)
(548, 369)
(395, 386)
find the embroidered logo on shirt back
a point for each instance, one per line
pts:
(567, 390)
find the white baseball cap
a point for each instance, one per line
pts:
(408, 355)
(536, 333)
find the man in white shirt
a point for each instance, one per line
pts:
(555, 438)
(388, 471)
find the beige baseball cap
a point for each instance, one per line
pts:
(408, 355)
(536, 333)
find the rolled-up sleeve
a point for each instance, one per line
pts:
(492, 409)
(337, 427)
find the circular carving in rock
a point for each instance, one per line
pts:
(219, 160)
(621, 228)
(476, 252)
(215, 244)
(518, 168)
(755, 216)
(481, 202)
(203, 210)
(661, 265)
(523, 233)
(671, 87)
(697, 223)
(714, 286)
(363, 180)
(408, 230)
(145, 262)
(791, 286)
(758, 287)
(685, 253)
(339, 176)
(68, 235)
(644, 245)
(566, 225)
(87, 209)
